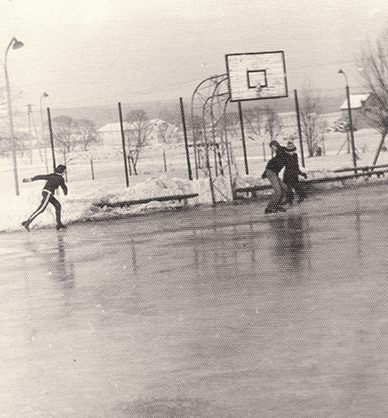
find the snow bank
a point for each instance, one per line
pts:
(318, 174)
(79, 207)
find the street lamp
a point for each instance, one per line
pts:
(43, 133)
(15, 45)
(350, 119)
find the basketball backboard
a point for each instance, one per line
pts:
(256, 75)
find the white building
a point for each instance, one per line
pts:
(360, 104)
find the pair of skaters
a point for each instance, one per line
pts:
(283, 189)
(53, 181)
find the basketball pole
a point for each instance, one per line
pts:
(243, 138)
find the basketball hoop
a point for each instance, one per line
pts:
(256, 75)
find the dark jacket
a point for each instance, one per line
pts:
(54, 180)
(276, 163)
(292, 170)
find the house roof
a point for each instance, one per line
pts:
(356, 101)
(115, 127)
(111, 127)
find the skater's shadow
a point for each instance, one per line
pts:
(64, 270)
(290, 250)
(59, 269)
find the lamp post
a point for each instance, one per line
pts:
(43, 132)
(350, 120)
(15, 45)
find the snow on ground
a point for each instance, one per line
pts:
(158, 177)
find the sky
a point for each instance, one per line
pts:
(100, 52)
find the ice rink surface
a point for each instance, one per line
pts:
(201, 312)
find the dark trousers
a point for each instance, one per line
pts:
(299, 190)
(47, 198)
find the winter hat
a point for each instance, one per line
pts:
(60, 169)
(290, 146)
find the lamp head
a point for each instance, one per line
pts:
(45, 95)
(17, 44)
(340, 72)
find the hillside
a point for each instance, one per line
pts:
(101, 115)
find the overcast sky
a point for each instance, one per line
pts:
(91, 52)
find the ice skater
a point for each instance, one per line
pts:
(272, 170)
(291, 175)
(53, 181)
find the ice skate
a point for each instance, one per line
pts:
(26, 225)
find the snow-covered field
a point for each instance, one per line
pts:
(157, 177)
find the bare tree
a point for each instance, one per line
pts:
(137, 133)
(254, 119)
(273, 125)
(227, 124)
(310, 111)
(65, 132)
(6, 144)
(173, 118)
(373, 61)
(196, 125)
(88, 133)
(171, 115)
(166, 132)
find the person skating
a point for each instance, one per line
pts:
(291, 175)
(272, 170)
(53, 181)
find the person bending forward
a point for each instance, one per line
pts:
(274, 166)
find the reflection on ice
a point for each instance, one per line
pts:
(289, 248)
(216, 308)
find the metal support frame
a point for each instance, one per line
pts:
(210, 100)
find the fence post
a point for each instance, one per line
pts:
(299, 127)
(164, 160)
(91, 166)
(123, 142)
(186, 141)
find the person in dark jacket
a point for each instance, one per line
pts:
(53, 181)
(291, 175)
(273, 168)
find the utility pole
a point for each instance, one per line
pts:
(31, 130)
(350, 121)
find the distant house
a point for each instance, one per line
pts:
(159, 132)
(358, 104)
(110, 134)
